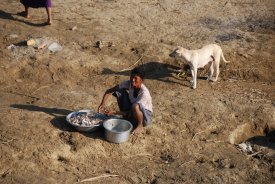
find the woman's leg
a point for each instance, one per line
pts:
(49, 13)
(26, 13)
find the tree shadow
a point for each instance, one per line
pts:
(59, 121)
(9, 16)
(154, 70)
(267, 141)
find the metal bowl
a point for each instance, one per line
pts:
(117, 130)
(87, 128)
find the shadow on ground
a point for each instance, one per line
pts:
(156, 71)
(266, 141)
(9, 16)
(59, 120)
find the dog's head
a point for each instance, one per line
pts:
(177, 52)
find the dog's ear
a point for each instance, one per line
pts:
(179, 50)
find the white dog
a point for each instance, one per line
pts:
(199, 58)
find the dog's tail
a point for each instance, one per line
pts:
(224, 59)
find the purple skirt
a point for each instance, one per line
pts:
(37, 3)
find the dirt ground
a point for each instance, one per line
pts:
(195, 134)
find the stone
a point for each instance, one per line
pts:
(31, 42)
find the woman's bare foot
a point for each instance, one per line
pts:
(49, 22)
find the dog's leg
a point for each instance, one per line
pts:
(195, 78)
(192, 80)
(217, 73)
(211, 70)
(217, 68)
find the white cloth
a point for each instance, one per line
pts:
(143, 97)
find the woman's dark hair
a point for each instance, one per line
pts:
(139, 72)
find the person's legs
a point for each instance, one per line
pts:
(138, 116)
(26, 13)
(123, 100)
(49, 13)
(147, 115)
(26, 5)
